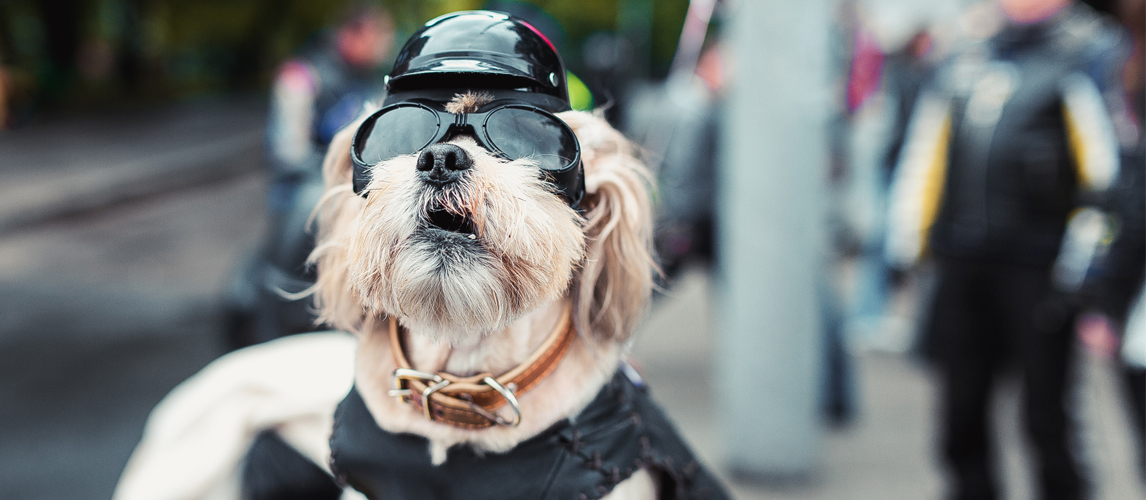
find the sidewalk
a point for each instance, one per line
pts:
(888, 453)
(78, 164)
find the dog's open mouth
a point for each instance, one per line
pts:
(440, 218)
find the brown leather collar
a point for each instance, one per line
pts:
(471, 402)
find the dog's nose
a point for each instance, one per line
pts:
(443, 163)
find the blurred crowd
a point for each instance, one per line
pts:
(986, 169)
(1013, 168)
(986, 172)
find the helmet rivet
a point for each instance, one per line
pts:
(386, 82)
(553, 79)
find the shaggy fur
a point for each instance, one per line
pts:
(468, 102)
(483, 301)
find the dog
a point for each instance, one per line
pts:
(489, 314)
(468, 304)
(483, 301)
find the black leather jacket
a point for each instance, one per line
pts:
(1030, 137)
(620, 432)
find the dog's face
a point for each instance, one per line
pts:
(464, 244)
(468, 243)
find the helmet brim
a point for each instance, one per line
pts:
(466, 65)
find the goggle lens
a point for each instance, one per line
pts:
(524, 133)
(404, 130)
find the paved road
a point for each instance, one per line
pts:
(78, 164)
(103, 315)
(117, 235)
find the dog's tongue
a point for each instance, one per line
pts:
(449, 221)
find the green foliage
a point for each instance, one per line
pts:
(128, 49)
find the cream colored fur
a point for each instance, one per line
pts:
(483, 304)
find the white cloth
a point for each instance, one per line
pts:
(196, 438)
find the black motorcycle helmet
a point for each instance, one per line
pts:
(480, 50)
(493, 52)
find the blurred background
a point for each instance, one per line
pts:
(151, 181)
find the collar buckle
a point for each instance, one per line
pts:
(472, 402)
(403, 375)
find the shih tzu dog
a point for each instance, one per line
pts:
(490, 251)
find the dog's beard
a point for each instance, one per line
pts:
(467, 259)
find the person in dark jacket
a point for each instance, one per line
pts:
(314, 95)
(1008, 157)
(1115, 290)
(1116, 293)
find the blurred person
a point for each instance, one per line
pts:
(1005, 154)
(675, 122)
(1115, 326)
(319, 91)
(1133, 349)
(860, 58)
(313, 96)
(687, 152)
(904, 73)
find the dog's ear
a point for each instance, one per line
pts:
(612, 288)
(336, 214)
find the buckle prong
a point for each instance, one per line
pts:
(509, 397)
(426, 397)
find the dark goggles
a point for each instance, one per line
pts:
(511, 130)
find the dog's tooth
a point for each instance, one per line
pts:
(473, 236)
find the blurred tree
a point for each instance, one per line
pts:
(101, 52)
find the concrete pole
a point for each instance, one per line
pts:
(769, 346)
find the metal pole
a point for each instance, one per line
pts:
(769, 344)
